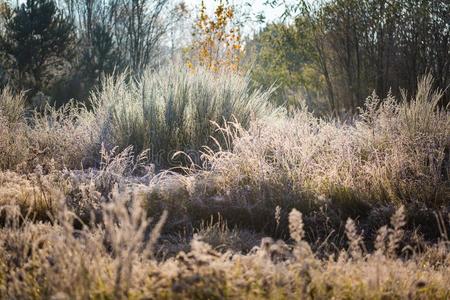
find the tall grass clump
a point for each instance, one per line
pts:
(65, 137)
(13, 141)
(68, 137)
(174, 109)
(165, 111)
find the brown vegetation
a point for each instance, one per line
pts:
(360, 208)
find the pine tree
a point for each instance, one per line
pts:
(37, 35)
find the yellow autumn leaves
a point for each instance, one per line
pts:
(217, 43)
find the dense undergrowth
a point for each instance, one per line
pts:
(163, 112)
(117, 260)
(81, 218)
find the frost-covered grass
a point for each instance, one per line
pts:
(116, 260)
(81, 218)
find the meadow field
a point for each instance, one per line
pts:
(191, 185)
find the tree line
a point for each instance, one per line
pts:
(63, 49)
(330, 53)
(342, 50)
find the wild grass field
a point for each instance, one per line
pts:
(190, 185)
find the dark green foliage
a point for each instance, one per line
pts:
(98, 57)
(37, 36)
(285, 57)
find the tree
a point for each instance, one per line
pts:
(38, 37)
(131, 29)
(359, 46)
(384, 45)
(5, 11)
(217, 43)
(284, 55)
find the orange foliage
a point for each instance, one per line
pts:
(5, 9)
(217, 44)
